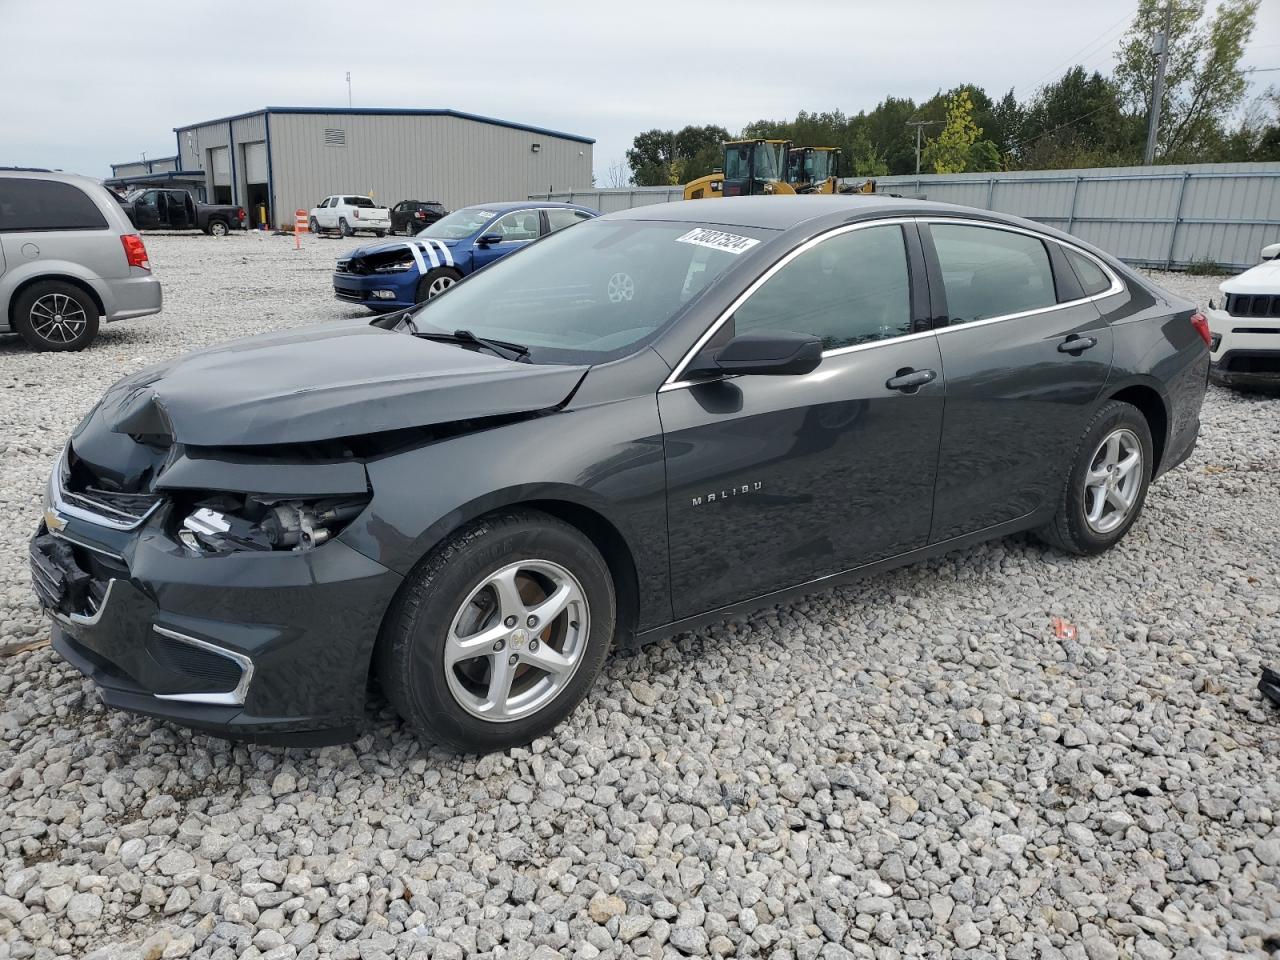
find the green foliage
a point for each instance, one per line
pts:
(666, 157)
(1206, 268)
(952, 150)
(1203, 80)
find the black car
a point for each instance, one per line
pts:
(410, 216)
(634, 427)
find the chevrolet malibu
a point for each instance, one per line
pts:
(636, 427)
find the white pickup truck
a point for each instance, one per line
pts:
(348, 214)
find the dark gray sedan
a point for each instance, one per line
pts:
(626, 430)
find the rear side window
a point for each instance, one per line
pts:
(849, 289)
(991, 273)
(1093, 279)
(46, 205)
(561, 217)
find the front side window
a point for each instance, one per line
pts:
(29, 205)
(851, 288)
(1093, 279)
(988, 272)
(520, 225)
(593, 293)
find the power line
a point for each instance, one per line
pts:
(1073, 58)
(1061, 126)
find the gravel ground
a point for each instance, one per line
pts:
(913, 766)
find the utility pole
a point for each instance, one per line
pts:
(1160, 47)
(920, 125)
(348, 88)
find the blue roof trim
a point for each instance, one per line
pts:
(393, 112)
(159, 175)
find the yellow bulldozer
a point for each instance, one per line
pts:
(814, 169)
(751, 167)
(770, 168)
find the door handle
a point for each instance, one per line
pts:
(1076, 344)
(909, 381)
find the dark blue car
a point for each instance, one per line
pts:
(396, 274)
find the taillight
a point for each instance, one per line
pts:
(135, 251)
(240, 214)
(1201, 323)
(419, 214)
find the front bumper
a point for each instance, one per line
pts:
(272, 647)
(360, 289)
(1246, 351)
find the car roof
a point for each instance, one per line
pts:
(502, 206)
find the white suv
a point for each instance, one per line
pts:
(1244, 329)
(348, 214)
(69, 258)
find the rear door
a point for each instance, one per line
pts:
(1026, 356)
(777, 480)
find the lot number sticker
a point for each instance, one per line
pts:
(718, 240)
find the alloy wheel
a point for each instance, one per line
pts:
(1113, 481)
(517, 640)
(439, 285)
(56, 318)
(218, 228)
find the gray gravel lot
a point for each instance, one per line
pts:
(913, 766)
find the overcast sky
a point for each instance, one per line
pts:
(84, 83)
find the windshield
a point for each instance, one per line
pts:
(459, 224)
(593, 293)
(769, 159)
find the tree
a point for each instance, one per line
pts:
(954, 149)
(1203, 80)
(1078, 120)
(667, 157)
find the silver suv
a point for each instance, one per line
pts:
(69, 258)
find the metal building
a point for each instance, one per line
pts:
(281, 159)
(158, 172)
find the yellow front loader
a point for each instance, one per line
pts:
(751, 167)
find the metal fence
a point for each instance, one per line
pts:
(1168, 217)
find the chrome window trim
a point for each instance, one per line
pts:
(70, 510)
(230, 698)
(673, 381)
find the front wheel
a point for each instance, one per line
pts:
(216, 228)
(314, 226)
(345, 228)
(435, 282)
(498, 635)
(1107, 485)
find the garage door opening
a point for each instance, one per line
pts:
(258, 205)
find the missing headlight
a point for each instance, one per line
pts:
(226, 524)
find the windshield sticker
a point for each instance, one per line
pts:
(718, 240)
(484, 214)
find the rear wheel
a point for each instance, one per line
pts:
(314, 226)
(498, 635)
(53, 315)
(435, 282)
(1107, 486)
(379, 234)
(345, 228)
(217, 228)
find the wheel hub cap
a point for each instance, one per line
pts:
(1113, 481)
(502, 673)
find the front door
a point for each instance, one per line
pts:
(146, 210)
(777, 480)
(517, 229)
(1019, 396)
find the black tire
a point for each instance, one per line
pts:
(411, 646)
(441, 278)
(217, 228)
(379, 234)
(1070, 529)
(36, 313)
(344, 228)
(314, 227)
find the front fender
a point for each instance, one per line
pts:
(607, 458)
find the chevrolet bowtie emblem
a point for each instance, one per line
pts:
(54, 520)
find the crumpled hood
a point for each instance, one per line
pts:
(341, 379)
(384, 246)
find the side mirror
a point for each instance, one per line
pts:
(766, 353)
(489, 238)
